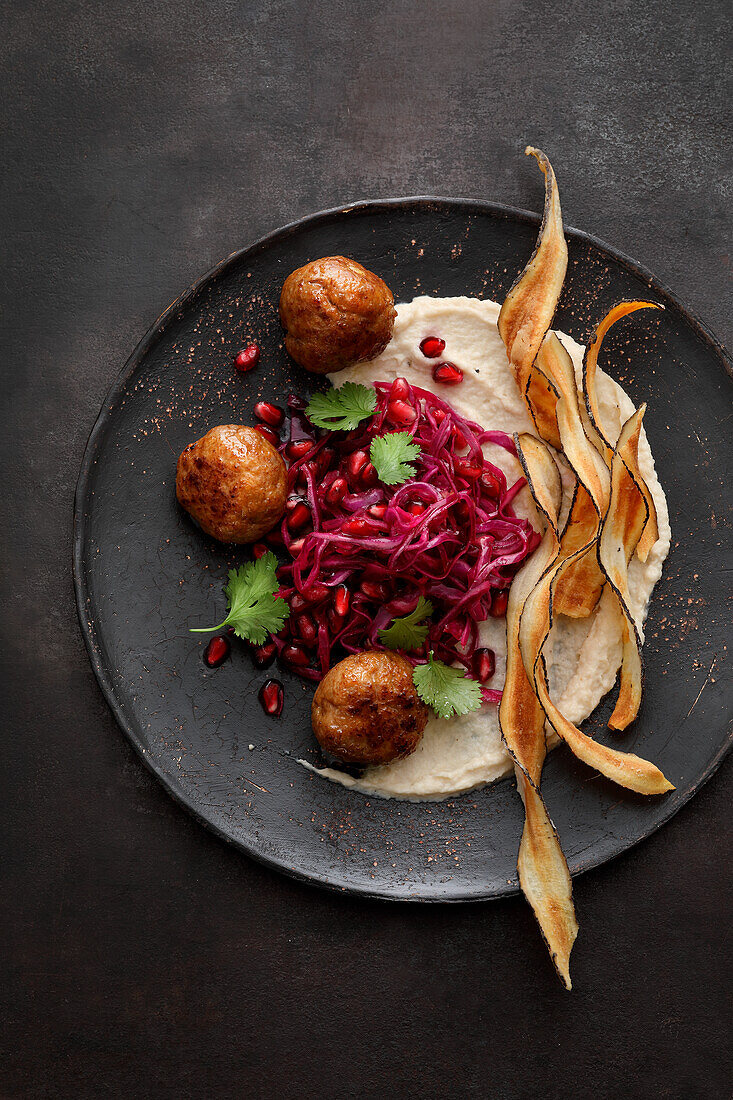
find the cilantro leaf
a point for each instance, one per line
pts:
(447, 690)
(410, 631)
(342, 409)
(254, 609)
(392, 455)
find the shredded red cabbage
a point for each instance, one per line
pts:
(367, 551)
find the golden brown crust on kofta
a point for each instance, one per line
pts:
(366, 709)
(335, 313)
(233, 483)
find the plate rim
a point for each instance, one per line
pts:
(154, 332)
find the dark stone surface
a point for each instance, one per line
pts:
(142, 142)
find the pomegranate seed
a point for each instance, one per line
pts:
(298, 603)
(447, 373)
(316, 592)
(356, 462)
(299, 516)
(463, 512)
(274, 537)
(217, 652)
(432, 347)
(416, 508)
(294, 654)
(499, 601)
(268, 433)
(400, 412)
(399, 390)
(295, 547)
(368, 476)
(439, 415)
(375, 590)
(298, 449)
(259, 550)
(459, 439)
(270, 414)
(377, 511)
(491, 484)
(335, 622)
(341, 600)
(306, 629)
(468, 470)
(336, 492)
(272, 698)
(324, 460)
(248, 358)
(264, 655)
(483, 665)
(359, 525)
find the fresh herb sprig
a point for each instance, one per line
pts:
(393, 455)
(410, 631)
(254, 609)
(447, 690)
(342, 409)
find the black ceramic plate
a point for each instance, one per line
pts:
(144, 573)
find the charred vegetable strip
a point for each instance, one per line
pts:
(543, 870)
(590, 366)
(581, 585)
(530, 305)
(534, 629)
(622, 528)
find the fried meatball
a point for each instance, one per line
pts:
(335, 313)
(233, 483)
(366, 709)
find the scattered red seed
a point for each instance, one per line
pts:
(359, 525)
(268, 433)
(459, 439)
(306, 629)
(294, 654)
(295, 547)
(447, 373)
(270, 414)
(468, 470)
(317, 592)
(217, 651)
(259, 550)
(336, 491)
(491, 483)
(375, 590)
(483, 665)
(248, 358)
(377, 511)
(272, 698)
(356, 462)
(299, 448)
(341, 600)
(264, 655)
(432, 347)
(298, 603)
(368, 476)
(299, 516)
(499, 601)
(416, 508)
(400, 389)
(401, 412)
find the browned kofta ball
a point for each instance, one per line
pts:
(366, 709)
(335, 313)
(233, 483)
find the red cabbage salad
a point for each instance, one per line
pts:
(442, 546)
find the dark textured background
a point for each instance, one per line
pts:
(141, 143)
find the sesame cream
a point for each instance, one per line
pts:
(584, 655)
